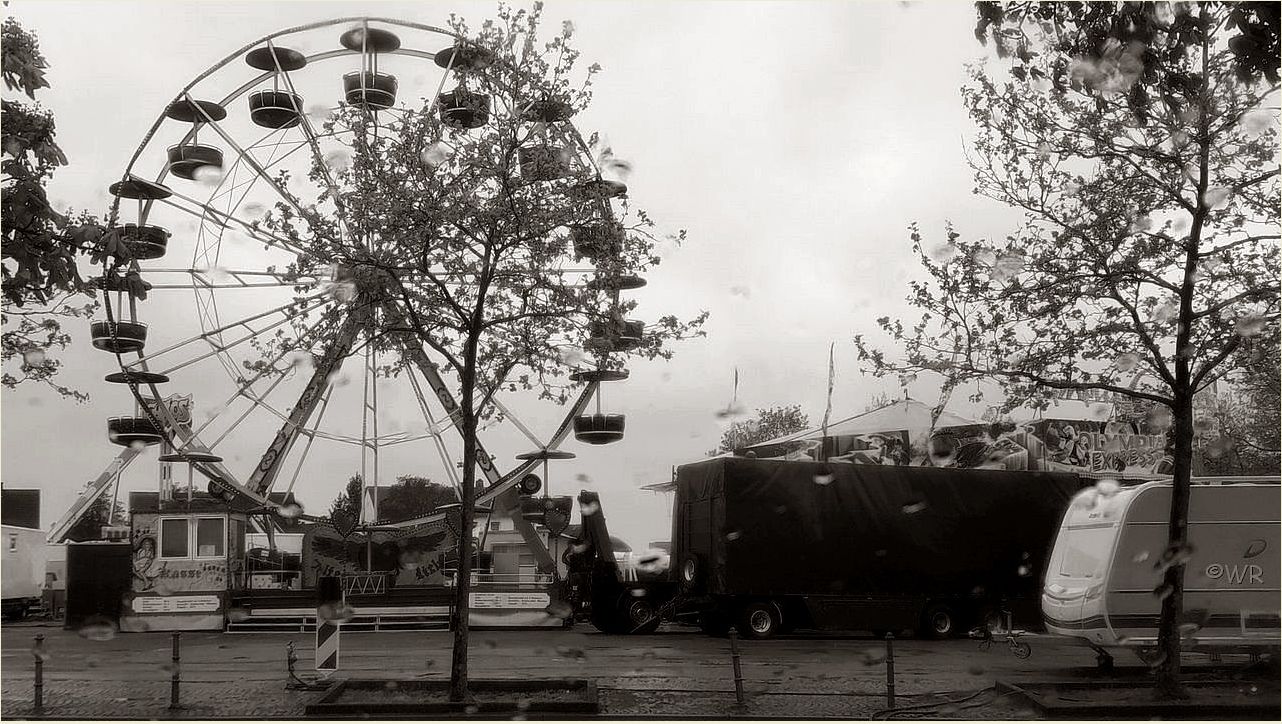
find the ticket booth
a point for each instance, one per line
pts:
(184, 554)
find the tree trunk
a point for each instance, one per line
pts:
(459, 690)
(1169, 685)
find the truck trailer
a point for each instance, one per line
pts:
(23, 570)
(770, 545)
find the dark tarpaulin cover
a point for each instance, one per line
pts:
(775, 527)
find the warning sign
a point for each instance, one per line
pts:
(175, 604)
(510, 600)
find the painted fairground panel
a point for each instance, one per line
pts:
(412, 556)
(182, 562)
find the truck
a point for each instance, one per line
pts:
(768, 546)
(22, 571)
(1110, 556)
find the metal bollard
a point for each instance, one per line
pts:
(174, 676)
(734, 658)
(890, 669)
(39, 653)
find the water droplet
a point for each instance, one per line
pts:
(1107, 487)
(138, 445)
(338, 612)
(289, 511)
(436, 154)
(97, 628)
(781, 509)
(583, 478)
(34, 357)
(1162, 591)
(734, 535)
(339, 161)
(653, 560)
(1216, 197)
(339, 379)
(873, 656)
(252, 211)
(318, 112)
(40, 651)
(569, 652)
(943, 253)
(471, 709)
(975, 670)
(1072, 187)
(1007, 267)
(1166, 311)
(985, 257)
(572, 356)
(559, 609)
(208, 175)
(824, 477)
(342, 292)
(638, 593)
(237, 614)
(1203, 425)
(300, 360)
(1086, 500)
(1025, 571)
(732, 412)
(589, 508)
(881, 552)
(1126, 361)
(170, 668)
(915, 507)
(1043, 150)
(522, 704)
(1250, 325)
(740, 291)
(162, 589)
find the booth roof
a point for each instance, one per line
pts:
(1065, 410)
(907, 414)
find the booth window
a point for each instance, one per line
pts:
(174, 538)
(180, 539)
(209, 537)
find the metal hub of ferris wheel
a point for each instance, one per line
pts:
(199, 196)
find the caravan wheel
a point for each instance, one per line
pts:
(760, 620)
(939, 621)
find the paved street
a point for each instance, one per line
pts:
(673, 673)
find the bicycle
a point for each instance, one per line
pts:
(987, 634)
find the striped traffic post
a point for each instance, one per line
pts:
(329, 594)
(326, 645)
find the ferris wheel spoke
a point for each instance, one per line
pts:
(244, 387)
(311, 439)
(203, 211)
(516, 421)
(369, 442)
(254, 402)
(287, 311)
(313, 142)
(230, 279)
(434, 430)
(269, 465)
(258, 169)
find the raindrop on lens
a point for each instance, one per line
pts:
(1107, 487)
(237, 615)
(734, 535)
(731, 412)
(290, 511)
(1203, 425)
(914, 508)
(253, 211)
(34, 357)
(1249, 325)
(824, 478)
(318, 112)
(1216, 197)
(740, 291)
(338, 160)
(559, 609)
(436, 154)
(97, 629)
(1162, 591)
(589, 508)
(208, 175)
(873, 656)
(943, 253)
(1126, 361)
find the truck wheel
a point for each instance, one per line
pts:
(638, 615)
(939, 621)
(759, 620)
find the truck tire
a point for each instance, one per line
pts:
(638, 615)
(760, 620)
(939, 621)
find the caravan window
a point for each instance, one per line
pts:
(1085, 550)
(174, 538)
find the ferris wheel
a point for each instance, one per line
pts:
(202, 296)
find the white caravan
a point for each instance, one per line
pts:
(1104, 575)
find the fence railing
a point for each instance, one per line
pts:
(268, 580)
(530, 579)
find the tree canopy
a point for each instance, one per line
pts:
(1144, 158)
(765, 424)
(42, 287)
(480, 231)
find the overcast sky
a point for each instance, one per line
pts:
(794, 141)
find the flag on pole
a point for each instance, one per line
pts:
(832, 376)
